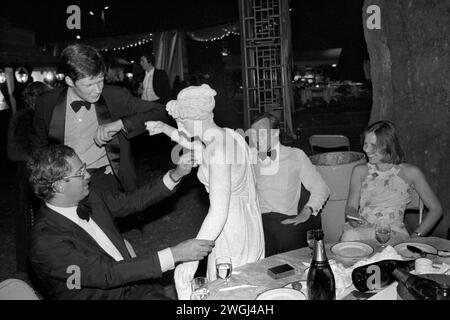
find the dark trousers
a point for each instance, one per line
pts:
(286, 237)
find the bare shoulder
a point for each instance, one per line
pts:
(410, 171)
(361, 170)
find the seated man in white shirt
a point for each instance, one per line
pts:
(285, 221)
(77, 251)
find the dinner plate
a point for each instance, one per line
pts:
(281, 294)
(352, 249)
(402, 250)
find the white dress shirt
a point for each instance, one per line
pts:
(280, 192)
(148, 93)
(80, 130)
(91, 228)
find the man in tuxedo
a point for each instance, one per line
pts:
(286, 217)
(156, 85)
(76, 250)
(94, 119)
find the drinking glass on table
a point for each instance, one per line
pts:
(199, 286)
(382, 233)
(224, 268)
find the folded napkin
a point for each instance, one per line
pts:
(389, 253)
(426, 266)
(342, 277)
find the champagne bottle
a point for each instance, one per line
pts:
(378, 275)
(420, 288)
(320, 281)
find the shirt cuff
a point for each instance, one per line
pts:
(124, 128)
(314, 206)
(166, 260)
(170, 184)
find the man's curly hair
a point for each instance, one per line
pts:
(46, 166)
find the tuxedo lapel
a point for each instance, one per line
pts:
(57, 124)
(81, 237)
(106, 223)
(113, 146)
(66, 226)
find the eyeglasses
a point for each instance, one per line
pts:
(82, 174)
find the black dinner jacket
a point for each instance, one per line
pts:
(50, 113)
(58, 243)
(161, 86)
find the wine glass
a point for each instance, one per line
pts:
(383, 233)
(199, 286)
(224, 268)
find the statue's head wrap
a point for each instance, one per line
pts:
(193, 103)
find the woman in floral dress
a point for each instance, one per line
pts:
(381, 189)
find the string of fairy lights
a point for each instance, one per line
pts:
(141, 42)
(216, 38)
(192, 35)
(216, 34)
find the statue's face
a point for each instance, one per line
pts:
(185, 127)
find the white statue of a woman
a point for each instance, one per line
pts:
(234, 218)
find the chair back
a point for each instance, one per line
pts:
(15, 289)
(329, 141)
(416, 203)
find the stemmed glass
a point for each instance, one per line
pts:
(224, 268)
(383, 233)
(199, 286)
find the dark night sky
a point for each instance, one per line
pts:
(48, 17)
(316, 24)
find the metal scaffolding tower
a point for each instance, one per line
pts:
(266, 59)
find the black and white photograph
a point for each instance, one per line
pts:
(237, 152)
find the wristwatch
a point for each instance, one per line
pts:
(418, 234)
(171, 177)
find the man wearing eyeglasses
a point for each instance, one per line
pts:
(77, 251)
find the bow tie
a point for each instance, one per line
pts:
(272, 154)
(76, 105)
(84, 209)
